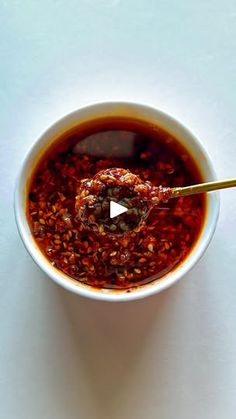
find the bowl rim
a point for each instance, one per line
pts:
(142, 291)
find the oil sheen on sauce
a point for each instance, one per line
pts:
(122, 262)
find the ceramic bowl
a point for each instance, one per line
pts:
(184, 136)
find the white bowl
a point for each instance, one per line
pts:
(146, 113)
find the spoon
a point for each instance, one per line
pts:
(202, 187)
(135, 197)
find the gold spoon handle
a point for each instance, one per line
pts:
(202, 187)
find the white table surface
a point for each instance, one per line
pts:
(169, 356)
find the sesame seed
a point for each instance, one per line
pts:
(150, 247)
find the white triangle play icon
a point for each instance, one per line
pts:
(116, 209)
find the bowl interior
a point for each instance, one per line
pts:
(135, 111)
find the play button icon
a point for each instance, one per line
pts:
(116, 209)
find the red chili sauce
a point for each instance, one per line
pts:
(130, 258)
